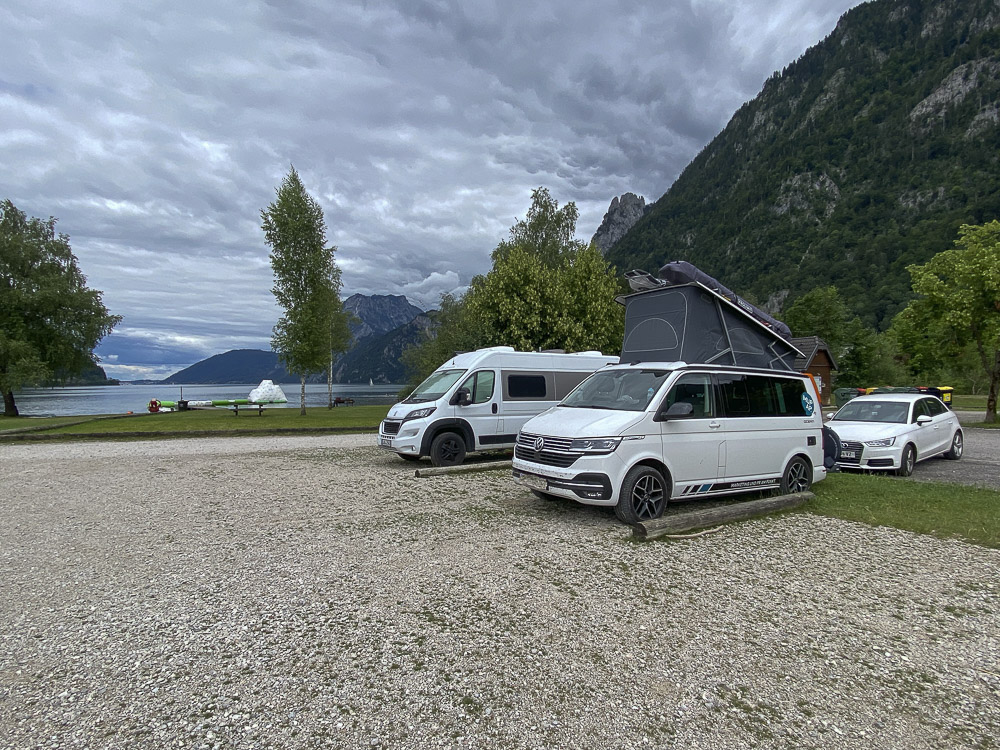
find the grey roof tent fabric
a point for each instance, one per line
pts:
(694, 323)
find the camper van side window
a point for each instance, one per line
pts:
(762, 396)
(480, 386)
(695, 389)
(789, 395)
(734, 393)
(529, 387)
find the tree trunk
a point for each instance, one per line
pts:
(302, 410)
(329, 384)
(991, 399)
(9, 407)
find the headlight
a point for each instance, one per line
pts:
(595, 445)
(883, 443)
(419, 413)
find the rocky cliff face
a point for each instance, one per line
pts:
(379, 313)
(377, 357)
(860, 158)
(622, 215)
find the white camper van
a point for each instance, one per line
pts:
(480, 400)
(709, 403)
(636, 436)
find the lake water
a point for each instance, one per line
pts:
(121, 399)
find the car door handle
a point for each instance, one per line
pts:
(714, 425)
(494, 408)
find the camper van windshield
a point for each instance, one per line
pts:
(623, 390)
(434, 387)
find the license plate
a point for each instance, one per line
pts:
(536, 483)
(385, 441)
(848, 454)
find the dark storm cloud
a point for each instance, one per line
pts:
(156, 132)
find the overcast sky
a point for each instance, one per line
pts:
(156, 132)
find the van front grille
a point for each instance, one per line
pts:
(555, 451)
(390, 428)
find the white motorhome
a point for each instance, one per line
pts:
(479, 401)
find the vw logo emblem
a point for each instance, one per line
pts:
(539, 444)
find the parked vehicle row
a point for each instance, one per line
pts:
(733, 417)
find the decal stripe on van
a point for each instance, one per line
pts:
(697, 489)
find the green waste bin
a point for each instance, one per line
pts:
(842, 395)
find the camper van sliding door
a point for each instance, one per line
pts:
(525, 394)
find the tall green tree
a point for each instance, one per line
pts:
(306, 283)
(959, 292)
(864, 357)
(50, 321)
(546, 290)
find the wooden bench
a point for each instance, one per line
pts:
(258, 407)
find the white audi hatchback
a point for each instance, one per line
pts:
(893, 431)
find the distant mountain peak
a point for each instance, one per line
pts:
(379, 313)
(621, 216)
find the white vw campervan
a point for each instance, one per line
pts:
(637, 436)
(706, 402)
(480, 400)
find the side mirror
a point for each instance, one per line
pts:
(829, 415)
(680, 410)
(923, 419)
(462, 397)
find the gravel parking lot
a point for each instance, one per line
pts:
(979, 466)
(310, 592)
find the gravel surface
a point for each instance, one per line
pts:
(979, 465)
(310, 592)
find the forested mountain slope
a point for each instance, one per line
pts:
(861, 157)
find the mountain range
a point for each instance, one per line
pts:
(863, 156)
(384, 325)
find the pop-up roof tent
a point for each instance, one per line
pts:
(688, 316)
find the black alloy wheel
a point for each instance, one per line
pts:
(797, 476)
(643, 496)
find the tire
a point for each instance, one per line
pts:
(643, 497)
(447, 449)
(408, 457)
(908, 461)
(957, 447)
(797, 476)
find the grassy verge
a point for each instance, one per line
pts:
(968, 403)
(200, 422)
(947, 511)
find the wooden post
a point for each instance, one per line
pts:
(679, 523)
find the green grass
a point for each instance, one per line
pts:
(968, 403)
(947, 511)
(201, 422)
